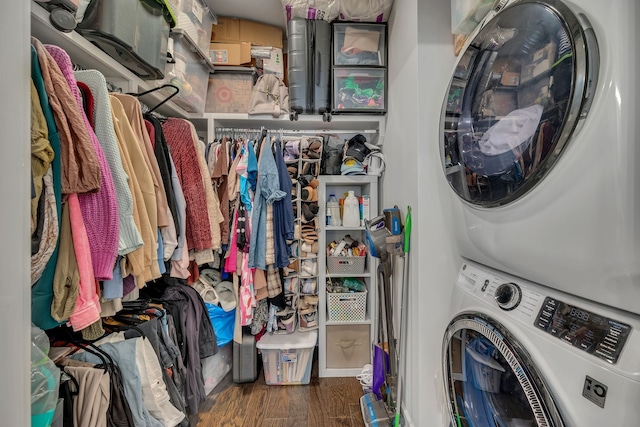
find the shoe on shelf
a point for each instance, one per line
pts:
(309, 194)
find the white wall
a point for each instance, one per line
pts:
(420, 63)
(15, 166)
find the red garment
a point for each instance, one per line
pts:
(183, 152)
(152, 133)
(219, 176)
(89, 101)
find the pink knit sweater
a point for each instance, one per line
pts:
(87, 309)
(99, 210)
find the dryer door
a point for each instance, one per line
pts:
(490, 379)
(518, 93)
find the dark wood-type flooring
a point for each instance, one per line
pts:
(325, 402)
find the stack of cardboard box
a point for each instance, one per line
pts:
(231, 46)
(232, 39)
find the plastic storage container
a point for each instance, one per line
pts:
(229, 92)
(346, 264)
(216, 367)
(189, 72)
(287, 358)
(196, 20)
(333, 211)
(347, 307)
(351, 211)
(133, 32)
(359, 90)
(359, 44)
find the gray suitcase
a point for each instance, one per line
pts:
(309, 69)
(245, 360)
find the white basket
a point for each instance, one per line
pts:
(346, 264)
(347, 307)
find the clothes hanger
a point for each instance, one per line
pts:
(166, 85)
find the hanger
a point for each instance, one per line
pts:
(166, 85)
(89, 348)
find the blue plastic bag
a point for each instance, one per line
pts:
(223, 323)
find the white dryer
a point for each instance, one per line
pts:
(540, 142)
(517, 354)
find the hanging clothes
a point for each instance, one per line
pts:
(213, 204)
(93, 397)
(42, 290)
(183, 152)
(80, 168)
(41, 152)
(133, 112)
(170, 234)
(130, 238)
(143, 192)
(66, 279)
(44, 216)
(100, 209)
(267, 192)
(87, 309)
(219, 176)
(283, 214)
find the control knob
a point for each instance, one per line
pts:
(508, 296)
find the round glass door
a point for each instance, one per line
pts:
(490, 380)
(518, 93)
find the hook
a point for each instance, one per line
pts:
(166, 85)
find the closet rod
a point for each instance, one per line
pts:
(297, 132)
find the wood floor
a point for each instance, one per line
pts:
(325, 402)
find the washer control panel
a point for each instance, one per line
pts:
(508, 296)
(598, 335)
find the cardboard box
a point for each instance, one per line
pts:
(242, 30)
(230, 53)
(275, 64)
(229, 92)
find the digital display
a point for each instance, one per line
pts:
(590, 332)
(580, 314)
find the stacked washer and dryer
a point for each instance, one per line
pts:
(539, 134)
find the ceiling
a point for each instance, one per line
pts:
(265, 11)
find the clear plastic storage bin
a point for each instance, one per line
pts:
(196, 20)
(359, 90)
(287, 358)
(359, 44)
(134, 33)
(229, 92)
(189, 72)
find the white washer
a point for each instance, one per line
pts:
(541, 132)
(521, 355)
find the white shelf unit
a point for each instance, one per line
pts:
(88, 56)
(365, 331)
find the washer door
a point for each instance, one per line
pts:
(519, 91)
(490, 380)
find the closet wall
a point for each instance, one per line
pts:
(420, 63)
(15, 169)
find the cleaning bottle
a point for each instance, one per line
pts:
(351, 214)
(333, 211)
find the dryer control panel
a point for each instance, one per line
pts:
(598, 335)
